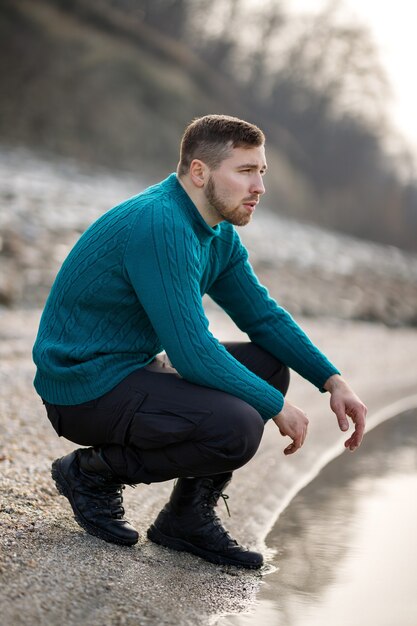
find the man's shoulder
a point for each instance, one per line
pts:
(143, 209)
(151, 195)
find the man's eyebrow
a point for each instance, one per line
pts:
(252, 166)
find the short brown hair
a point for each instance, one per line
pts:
(212, 137)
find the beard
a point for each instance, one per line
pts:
(235, 215)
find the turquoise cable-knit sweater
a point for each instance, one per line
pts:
(132, 286)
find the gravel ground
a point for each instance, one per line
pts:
(51, 572)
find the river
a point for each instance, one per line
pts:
(346, 546)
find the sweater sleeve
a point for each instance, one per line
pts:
(238, 291)
(161, 262)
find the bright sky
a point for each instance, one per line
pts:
(393, 25)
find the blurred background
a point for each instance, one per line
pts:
(95, 95)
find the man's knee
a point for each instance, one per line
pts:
(251, 427)
(281, 378)
(261, 362)
(239, 433)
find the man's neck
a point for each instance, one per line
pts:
(197, 195)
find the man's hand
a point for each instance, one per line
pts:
(292, 422)
(344, 402)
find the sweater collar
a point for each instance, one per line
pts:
(204, 231)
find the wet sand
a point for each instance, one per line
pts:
(346, 549)
(53, 573)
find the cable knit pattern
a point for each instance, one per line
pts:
(132, 287)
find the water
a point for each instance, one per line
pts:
(347, 544)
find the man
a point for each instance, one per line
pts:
(131, 288)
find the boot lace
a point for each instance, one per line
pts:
(112, 497)
(215, 498)
(208, 504)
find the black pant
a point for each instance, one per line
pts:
(153, 427)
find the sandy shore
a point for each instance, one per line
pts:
(51, 572)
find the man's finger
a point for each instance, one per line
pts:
(296, 443)
(359, 431)
(354, 441)
(291, 449)
(340, 411)
(304, 435)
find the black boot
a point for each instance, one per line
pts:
(95, 495)
(188, 523)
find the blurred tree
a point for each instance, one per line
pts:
(315, 85)
(318, 89)
(167, 16)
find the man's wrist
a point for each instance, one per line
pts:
(332, 382)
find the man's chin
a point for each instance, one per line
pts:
(244, 223)
(241, 220)
(236, 217)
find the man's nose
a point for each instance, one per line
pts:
(258, 186)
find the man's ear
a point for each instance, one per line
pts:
(198, 173)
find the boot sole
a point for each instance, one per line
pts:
(65, 490)
(155, 535)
